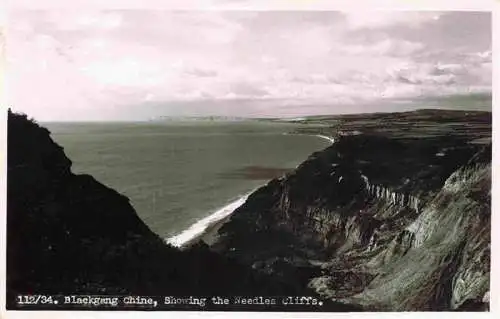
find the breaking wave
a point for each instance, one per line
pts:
(199, 227)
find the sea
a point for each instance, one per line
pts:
(183, 176)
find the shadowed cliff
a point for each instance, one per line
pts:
(394, 216)
(70, 234)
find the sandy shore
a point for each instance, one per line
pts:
(209, 236)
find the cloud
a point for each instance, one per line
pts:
(246, 90)
(387, 47)
(202, 72)
(95, 62)
(63, 21)
(360, 19)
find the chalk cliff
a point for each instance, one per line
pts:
(70, 234)
(395, 218)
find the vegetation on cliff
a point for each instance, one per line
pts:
(70, 234)
(394, 218)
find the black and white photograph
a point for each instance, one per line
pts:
(248, 160)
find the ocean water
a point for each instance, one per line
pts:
(182, 176)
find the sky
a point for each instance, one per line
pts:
(138, 64)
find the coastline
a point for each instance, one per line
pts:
(209, 236)
(325, 137)
(206, 228)
(273, 244)
(331, 139)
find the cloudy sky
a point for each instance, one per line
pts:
(137, 64)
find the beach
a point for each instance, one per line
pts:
(206, 229)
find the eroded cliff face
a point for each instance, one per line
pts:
(70, 234)
(376, 220)
(394, 217)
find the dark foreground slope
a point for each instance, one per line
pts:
(70, 234)
(394, 216)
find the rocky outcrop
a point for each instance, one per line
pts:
(384, 220)
(70, 234)
(384, 193)
(394, 217)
